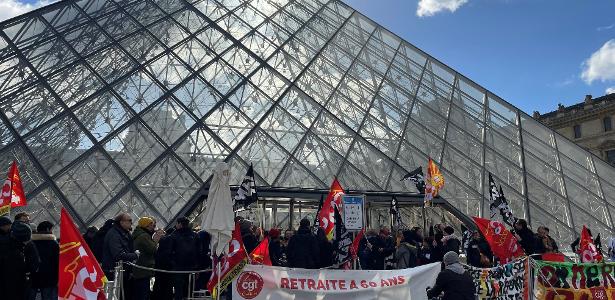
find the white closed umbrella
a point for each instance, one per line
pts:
(218, 219)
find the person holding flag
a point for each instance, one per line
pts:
(503, 243)
(229, 266)
(587, 249)
(260, 254)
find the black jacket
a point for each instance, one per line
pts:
(185, 250)
(455, 286)
(475, 248)
(49, 253)
(302, 250)
(325, 249)
(118, 246)
(527, 241)
(275, 252)
(452, 244)
(16, 266)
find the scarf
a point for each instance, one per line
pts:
(456, 268)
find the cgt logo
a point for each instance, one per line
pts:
(249, 284)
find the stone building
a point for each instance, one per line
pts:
(589, 124)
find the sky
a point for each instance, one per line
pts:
(532, 53)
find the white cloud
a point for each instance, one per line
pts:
(12, 8)
(601, 64)
(603, 28)
(610, 90)
(427, 8)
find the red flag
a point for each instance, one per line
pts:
(326, 216)
(503, 243)
(80, 275)
(433, 182)
(231, 264)
(557, 257)
(354, 248)
(260, 254)
(587, 249)
(12, 191)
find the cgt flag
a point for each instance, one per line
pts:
(246, 193)
(231, 264)
(12, 191)
(587, 249)
(503, 244)
(260, 254)
(80, 275)
(326, 217)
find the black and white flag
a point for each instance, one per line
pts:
(246, 193)
(418, 178)
(316, 221)
(465, 238)
(343, 240)
(396, 213)
(499, 204)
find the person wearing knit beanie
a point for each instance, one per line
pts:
(453, 283)
(145, 221)
(21, 232)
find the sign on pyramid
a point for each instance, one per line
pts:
(127, 105)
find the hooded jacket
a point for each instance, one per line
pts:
(145, 244)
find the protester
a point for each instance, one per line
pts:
(525, 236)
(366, 250)
(325, 256)
(302, 248)
(479, 254)
(89, 236)
(452, 283)
(45, 279)
(5, 228)
(99, 240)
(205, 261)
(544, 242)
(118, 246)
(163, 282)
(23, 217)
(185, 249)
(16, 263)
(406, 255)
(450, 241)
(275, 248)
(247, 235)
(145, 240)
(437, 248)
(385, 247)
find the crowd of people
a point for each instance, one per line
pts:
(29, 261)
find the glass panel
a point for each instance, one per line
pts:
(210, 9)
(133, 148)
(58, 144)
(27, 32)
(221, 76)
(111, 63)
(49, 56)
(333, 133)
(380, 136)
(194, 53)
(458, 164)
(74, 84)
(300, 106)
(118, 24)
(268, 158)
(269, 82)
(214, 39)
(352, 179)
(138, 90)
(249, 15)
(168, 70)
(459, 195)
(346, 110)
(295, 175)
(168, 120)
(515, 200)
(14, 74)
(190, 20)
(464, 143)
(227, 123)
(131, 202)
(142, 46)
(31, 108)
(168, 186)
(234, 26)
(86, 39)
(44, 206)
(370, 162)
(144, 12)
(424, 140)
(5, 135)
(589, 202)
(96, 8)
(512, 175)
(66, 16)
(201, 151)
(318, 157)
(559, 231)
(241, 60)
(283, 128)
(197, 96)
(90, 184)
(30, 176)
(103, 115)
(168, 32)
(550, 201)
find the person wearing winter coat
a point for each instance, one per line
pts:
(450, 240)
(45, 279)
(275, 248)
(452, 283)
(163, 282)
(325, 256)
(17, 263)
(185, 249)
(248, 236)
(479, 254)
(525, 236)
(406, 255)
(367, 248)
(145, 241)
(302, 250)
(98, 241)
(118, 246)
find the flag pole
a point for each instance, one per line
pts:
(218, 266)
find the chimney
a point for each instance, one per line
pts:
(588, 99)
(561, 107)
(535, 114)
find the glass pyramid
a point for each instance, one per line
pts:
(127, 105)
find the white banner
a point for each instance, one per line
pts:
(263, 283)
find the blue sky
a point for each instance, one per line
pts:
(532, 53)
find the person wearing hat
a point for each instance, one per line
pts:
(17, 263)
(45, 279)
(146, 240)
(453, 283)
(5, 227)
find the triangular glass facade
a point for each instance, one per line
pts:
(127, 105)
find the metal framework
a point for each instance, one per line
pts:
(126, 105)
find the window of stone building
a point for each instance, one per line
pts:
(608, 126)
(577, 131)
(610, 156)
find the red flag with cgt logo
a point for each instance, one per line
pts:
(326, 216)
(80, 275)
(231, 264)
(502, 242)
(12, 191)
